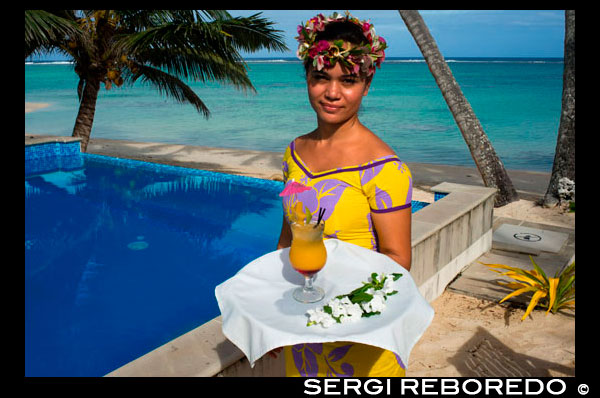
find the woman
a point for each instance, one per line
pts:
(356, 176)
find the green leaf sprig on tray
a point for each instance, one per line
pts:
(365, 301)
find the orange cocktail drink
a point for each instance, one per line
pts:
(308, 256)
(307, 253)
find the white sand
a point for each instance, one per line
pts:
(470, 337)
(34, 106)
(529, 211)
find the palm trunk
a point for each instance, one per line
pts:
(85, 116)
(489, 165)
(564, 155)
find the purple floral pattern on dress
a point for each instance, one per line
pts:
(306, 362)
(336, 355)
(402, 169)
(333, 235)
(399, 360)
(325, 194)
(368, 173)
(382, 199)
(284, 168)
(305, 358)
(374, 241)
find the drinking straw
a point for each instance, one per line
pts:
(321, 214)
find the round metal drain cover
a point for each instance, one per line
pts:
(527, 237)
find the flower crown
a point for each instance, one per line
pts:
(364, 57)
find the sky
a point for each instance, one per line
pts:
(458, 33)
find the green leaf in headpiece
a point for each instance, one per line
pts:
(338, 43)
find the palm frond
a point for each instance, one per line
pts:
(214, 14)
(196, 51)
(193, 36)
(172, 87)
(252, 33)
(43, 30)
(198, 66)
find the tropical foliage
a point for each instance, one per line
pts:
(162, 48)
(558, 291)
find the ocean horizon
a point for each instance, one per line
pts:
(387, 60)
(517, 100)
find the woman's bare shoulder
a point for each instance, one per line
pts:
(374, 147)
(304, 138)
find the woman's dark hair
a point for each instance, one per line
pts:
(343, 30)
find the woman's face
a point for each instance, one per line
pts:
(335, 94)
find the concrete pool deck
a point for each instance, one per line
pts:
(182, 356)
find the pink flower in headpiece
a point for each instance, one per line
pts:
(322, 45)
(293, 187)
(366, 26)
(317, 23)
(379, 45)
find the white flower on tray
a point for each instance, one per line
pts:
(377, 303)
(365, 301)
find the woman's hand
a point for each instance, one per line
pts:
(274, 352)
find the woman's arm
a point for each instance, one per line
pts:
(393, 234)
(285, 237)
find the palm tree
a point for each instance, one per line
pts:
(564, 156)
(489, 165)
(162, 47)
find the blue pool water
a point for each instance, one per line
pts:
(123, 256)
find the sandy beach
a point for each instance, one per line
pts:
(34, 106)
(468, 336)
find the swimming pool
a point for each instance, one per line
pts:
(122, 256)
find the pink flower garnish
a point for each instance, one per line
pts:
(293, 187)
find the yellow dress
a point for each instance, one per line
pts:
(349, 195)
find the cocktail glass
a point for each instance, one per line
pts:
(308, 256)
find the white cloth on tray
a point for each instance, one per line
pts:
(260, 314)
